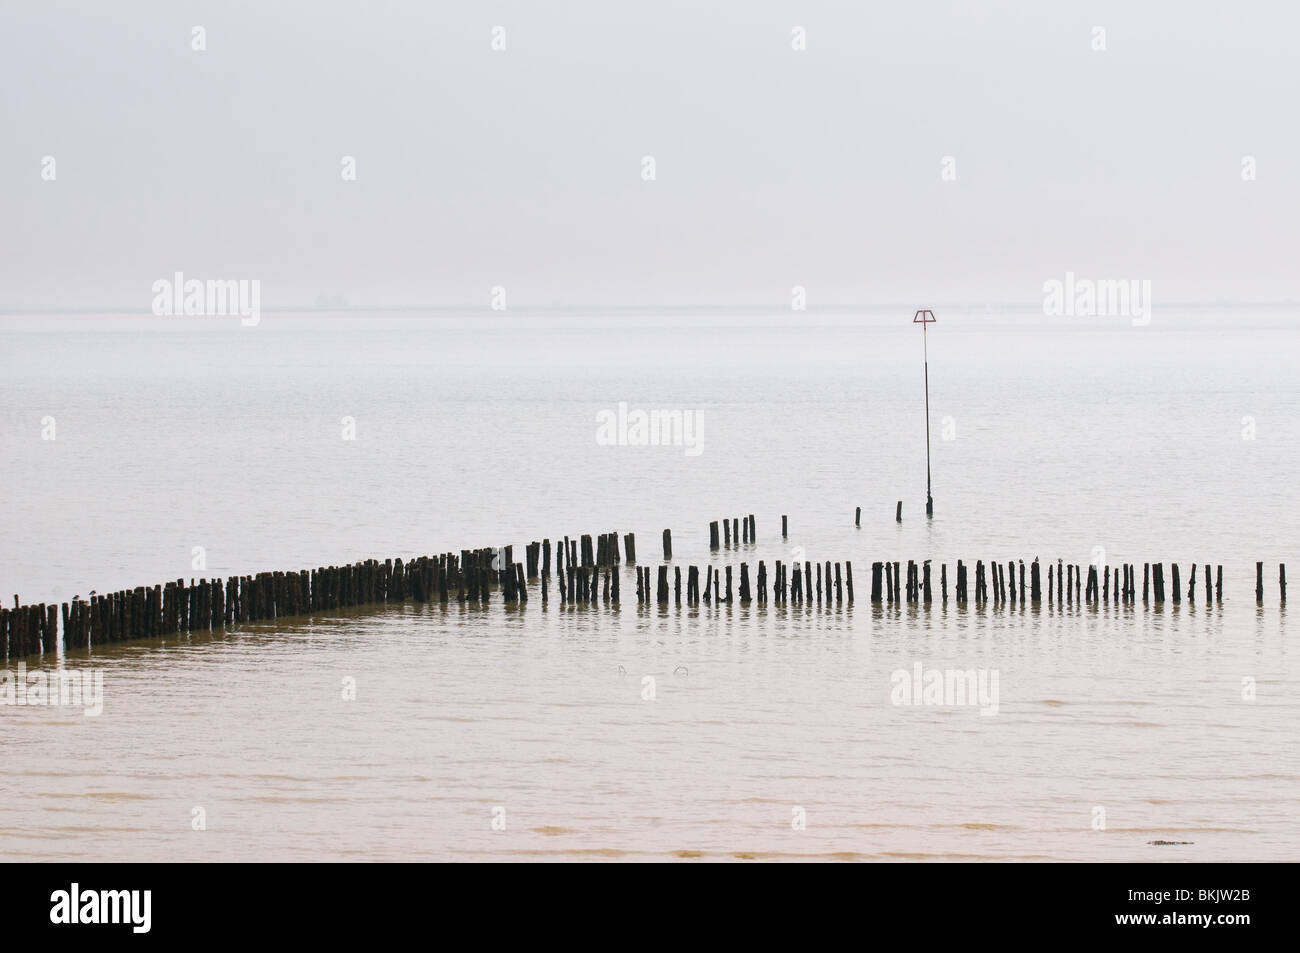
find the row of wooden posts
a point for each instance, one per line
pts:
(1066, 584)
(207, 604)
(736, 531)
(587, 570)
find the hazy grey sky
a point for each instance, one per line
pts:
(523, 167)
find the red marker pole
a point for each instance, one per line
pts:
(923, 318)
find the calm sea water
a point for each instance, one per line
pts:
(1071, 438)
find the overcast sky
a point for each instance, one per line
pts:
(523, 168)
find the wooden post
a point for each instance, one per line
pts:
(1281, 581)
(1259, 582)
(713, 535)
(857, 518)
(784, 526)
(848, 579)
(898, 512)
(1173, 568)
(668, 544)
(875, 582)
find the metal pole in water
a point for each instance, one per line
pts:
(923, 318)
